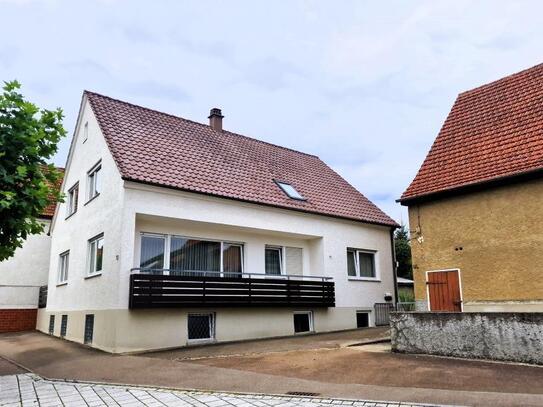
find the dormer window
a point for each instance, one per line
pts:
(290, 190)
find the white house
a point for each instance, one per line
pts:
(21, 277)
(175, 233)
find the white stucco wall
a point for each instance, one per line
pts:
(23, 274)
(324, 239)
(101, 215)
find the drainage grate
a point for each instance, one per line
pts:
(301, 393)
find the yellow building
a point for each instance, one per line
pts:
(476, 204)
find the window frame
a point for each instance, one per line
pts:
(167, 249)
(93, 252)
(92, 177)
(365, 312)
(212, 327)
(311, 322)
(283, 185)
(281, 250)
(376, 274)
(63, 267)
(70, 207)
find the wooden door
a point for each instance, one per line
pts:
(444, 291)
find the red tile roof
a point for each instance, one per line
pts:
(49, 211)
(161, 149)
(492, 132)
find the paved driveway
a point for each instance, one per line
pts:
(29, 389)
(334, 372)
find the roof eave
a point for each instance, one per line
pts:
(473, 187)
(389, 225)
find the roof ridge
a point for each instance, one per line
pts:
(503, 79)
(197, 123)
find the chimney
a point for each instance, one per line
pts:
(215, 119)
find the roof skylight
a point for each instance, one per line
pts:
(290, 190)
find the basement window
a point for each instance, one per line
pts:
(303, 321)
(362, 319)
(51, 324)
(290, 191)
(63, 326)
(201, 327)
(89, 329)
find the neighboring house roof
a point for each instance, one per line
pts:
(492, 133)
(404, 281)
(49, 211)
(160, 149)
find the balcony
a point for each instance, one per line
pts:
(185, 289)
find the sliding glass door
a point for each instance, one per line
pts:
(178, 255)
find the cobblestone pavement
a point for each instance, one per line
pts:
(31, 390)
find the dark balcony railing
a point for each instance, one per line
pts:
(171, 288)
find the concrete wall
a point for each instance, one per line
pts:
(119, 331)
(23, 274)
(498, 231)
(500, 336)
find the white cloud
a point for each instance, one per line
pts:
(364, 85)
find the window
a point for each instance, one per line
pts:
(274, 260)
(93, 182)
(194, 255)
(85, 131)
(201, 327)
(89, 328)
(73, 197)
(152, 251)
(51, 324)
(179, 255)
(231, 260)
(96, 252)
(63, 263)
(362, 319)
(290, 190)
(63, 326)
(361, 263)
(303, 321)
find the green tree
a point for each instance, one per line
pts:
(28, 138)
(402, 246)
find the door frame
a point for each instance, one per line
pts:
(459, 286)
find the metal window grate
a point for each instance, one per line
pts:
(63, 326)
(362, 319)
(89, 328)
(51, 324)
(201, 326)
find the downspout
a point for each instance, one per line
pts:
(394, 266)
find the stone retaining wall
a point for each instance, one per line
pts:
(505, 336)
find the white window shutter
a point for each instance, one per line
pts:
(294, 260)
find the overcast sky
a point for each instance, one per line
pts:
(363, 85)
